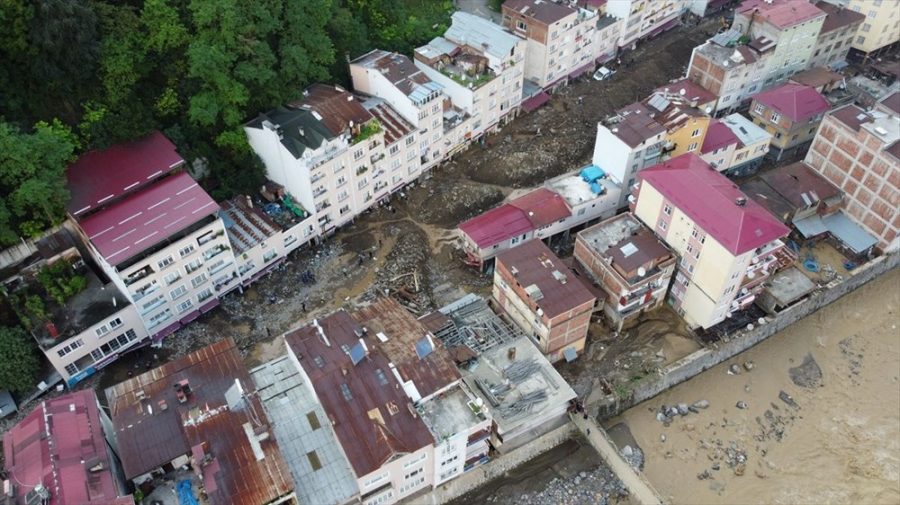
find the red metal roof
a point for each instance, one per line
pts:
(542, 207)
(709, 199)
(795, 101)
(147, 217)
(540, 10)
(838, 17)
(781, 13)
(103, 175)
(153, 427)
(718, 135)
(429, 374)
(535, 264)
(371, 416)
(56, 445)
(496, 225)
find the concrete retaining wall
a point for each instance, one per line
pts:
(497, 467)
(706, 358)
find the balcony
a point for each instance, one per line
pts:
(317, 177)
(144, 291)
(376, 158)
(322, 206)
(367, 130)
(209, 236)
(218, 267)
(215, 251)
(138, 275)
(319, 192)
(361, 170)
(153, 305)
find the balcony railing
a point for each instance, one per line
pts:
(215, 251)
(140, 274)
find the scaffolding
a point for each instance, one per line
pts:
(475, 325)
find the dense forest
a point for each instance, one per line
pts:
(77, 75)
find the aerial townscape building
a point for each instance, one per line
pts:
(791, 114)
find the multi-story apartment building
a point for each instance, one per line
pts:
(628, 262)
(685, 124)
(644, 18)
(412, 94)
(792, 26)
(791, 113)
(719, 146)
(727, 245)
(336, 154)
(606, 38)
(60, 453)
(859, 152)
(481, 67)
(753, 145)
(559, 39)
(166, 248)
(156, 234)
(690, 93)
(627, 143)
(881, 27)
(836, 36)
(544, 298)
(732, 71)
(78, 334)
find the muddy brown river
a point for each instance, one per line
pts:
(839, 444)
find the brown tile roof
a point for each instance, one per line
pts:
(637, 125)
(392, 123)
(337, 107)
(535, 264)
(539, 10)
(648, 249)
(763, 194)
(152, 427)
(894, 150)
(838, 17)
(851, 116)
(377, 422)
(892, 102)
(430, 374)
(816, 77)
(397, 68)
(797, 180)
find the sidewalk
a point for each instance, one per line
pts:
(639, 487)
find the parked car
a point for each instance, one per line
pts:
(603, 74)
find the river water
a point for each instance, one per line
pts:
(840, 445)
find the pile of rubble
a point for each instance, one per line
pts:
(597, 487)
(404, 274)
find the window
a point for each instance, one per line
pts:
(186, 250)
(695, 133)
(662, 224)
(668, 210)
(204, 295)
(729, 290)
(410, 140)
(185, 305)
(759, 108)
(395, 149)
(71, 369)
(197, 281)
(319, 361)
(872, 14)
(71, 347)
(171, 278)
(382, 378)
(313, 420)
(358, 154)
(345, 391)
(115, 323)
(102, 330)
(860, 40)
(178, 292)
(194, 265)
(520, 25)
(692, 146)
(163, 263)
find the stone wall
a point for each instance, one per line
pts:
(701, 360)
(497, 467)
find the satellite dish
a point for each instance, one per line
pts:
(708, 109)
(682, 91)
(642, 271)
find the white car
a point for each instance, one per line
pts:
(603, 74)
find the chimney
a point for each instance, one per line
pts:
(511, 353)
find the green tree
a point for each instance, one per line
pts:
(18, 363)
(32, 176)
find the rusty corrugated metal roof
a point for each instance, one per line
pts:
(152, 428)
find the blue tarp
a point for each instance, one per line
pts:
(186, 494)
(570, 353)
(591, 173)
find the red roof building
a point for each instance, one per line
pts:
(192, 410)
(542, 295)
(370, 413)
(711, 200)
(718, 136)
(542, 207)
(693, 93)
(147, 217)
(496, 225)
(795, 101)
(100, 177)
(781, 13)
(61, 446)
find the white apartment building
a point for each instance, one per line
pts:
(627, 143)
(731, 71)
(336, 154)
(793, 26)
(165, 247)
(645, 18)
(412, 94)
(560, 39)
(481, 68)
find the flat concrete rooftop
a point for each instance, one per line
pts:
(449, 414)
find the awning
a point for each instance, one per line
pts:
(810, 226)
(570, 353)
(665, 26)
(581, 70)
(535, 101)
(849, 233)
